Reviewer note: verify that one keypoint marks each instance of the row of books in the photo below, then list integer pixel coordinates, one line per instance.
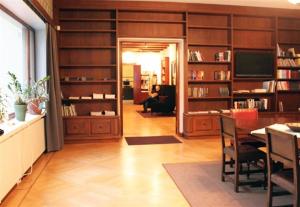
(288, 74)
(261, 104)
(68, 110)
(94, 96)
(197, 74)
(285, 86)
(222, 75)
(288, 62)
(224, 91)
(217, 111)
(269, 86)
(197, 92)
(194, 56)
(223, 56)
(291, 52)
(218, 75)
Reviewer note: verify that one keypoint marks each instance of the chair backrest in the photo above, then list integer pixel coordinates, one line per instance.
(244, 115)
(283, 147)
(228, 131)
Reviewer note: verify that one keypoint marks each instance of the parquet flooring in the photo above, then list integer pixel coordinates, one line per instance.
(113, 174)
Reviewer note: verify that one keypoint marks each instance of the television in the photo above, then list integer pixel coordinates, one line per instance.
(254, 64)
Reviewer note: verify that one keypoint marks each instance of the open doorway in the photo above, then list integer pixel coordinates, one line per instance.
(149, 67)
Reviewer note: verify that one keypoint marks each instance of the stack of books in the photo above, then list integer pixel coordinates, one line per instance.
(224, 91)
(197, 75)
(288, 74)
(269, 86)
(222, 75)
(286, 86)
(261, 104)
(68, 110)
(287, 62)
(194, 56)
(223, 56)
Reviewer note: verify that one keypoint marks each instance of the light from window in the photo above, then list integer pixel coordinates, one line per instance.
(13, 53)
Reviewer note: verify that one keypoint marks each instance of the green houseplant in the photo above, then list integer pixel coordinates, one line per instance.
(3, 106)
(37, 95)
(20, 94)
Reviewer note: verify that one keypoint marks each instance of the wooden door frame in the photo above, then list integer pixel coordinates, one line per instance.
(180, 77)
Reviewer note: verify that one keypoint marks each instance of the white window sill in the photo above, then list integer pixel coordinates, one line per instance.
(13, 126)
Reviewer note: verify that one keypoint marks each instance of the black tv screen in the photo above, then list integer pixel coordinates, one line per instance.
(254, 64)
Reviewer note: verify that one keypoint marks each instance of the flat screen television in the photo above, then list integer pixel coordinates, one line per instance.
(254, 64)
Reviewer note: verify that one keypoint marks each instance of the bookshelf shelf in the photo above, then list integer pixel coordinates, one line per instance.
(89, 30)
(88, 100)
(210, 98)
(86, 20)
(252, 79)
(289, 67)
(90, 117)
(208, 27)
(252, 94)
(289, 43)
(254, 29)
(288, 79)
(87, 66)
(288, 29)
(288, 91)
(88, 82)
(209, 45)
(286, 57)
(209, 81)
(151, 21)
(210, 62)
(88, 47)
(253, 48)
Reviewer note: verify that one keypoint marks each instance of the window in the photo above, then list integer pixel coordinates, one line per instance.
(14, 55)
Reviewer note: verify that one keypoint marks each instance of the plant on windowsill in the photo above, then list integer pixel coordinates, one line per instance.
(37, 96)
(3, 106)
(20, 93)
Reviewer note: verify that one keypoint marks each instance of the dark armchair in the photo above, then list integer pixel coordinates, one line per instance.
(167, 100)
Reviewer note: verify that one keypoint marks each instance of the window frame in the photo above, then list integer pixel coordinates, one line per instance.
(30, 35)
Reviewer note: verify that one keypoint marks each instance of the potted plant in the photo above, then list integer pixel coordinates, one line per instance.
(20, 96)
(37, 95)
(3, 106)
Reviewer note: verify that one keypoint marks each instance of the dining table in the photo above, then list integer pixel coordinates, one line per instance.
(251, 128)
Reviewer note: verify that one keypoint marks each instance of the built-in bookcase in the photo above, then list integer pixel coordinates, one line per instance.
(209, 77)
(88, 65)
(288, 65)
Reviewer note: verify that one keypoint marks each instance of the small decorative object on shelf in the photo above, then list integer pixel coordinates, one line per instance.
(68, 110)
(110, 96)
(98, 96)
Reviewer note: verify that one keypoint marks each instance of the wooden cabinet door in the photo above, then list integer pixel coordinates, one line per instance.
(100, 126)
(77, 127)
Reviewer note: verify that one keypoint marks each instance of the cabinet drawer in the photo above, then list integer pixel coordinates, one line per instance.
(101, 126)
(203, 124)
(77, 127)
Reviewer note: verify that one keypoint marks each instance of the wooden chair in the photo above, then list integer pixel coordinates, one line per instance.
(283, 147)
(239, 154)
(246, 115)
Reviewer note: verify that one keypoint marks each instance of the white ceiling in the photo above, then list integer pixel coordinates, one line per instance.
(256, 3)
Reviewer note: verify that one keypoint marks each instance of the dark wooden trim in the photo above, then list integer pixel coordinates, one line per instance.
(15, 17)
(40, 11)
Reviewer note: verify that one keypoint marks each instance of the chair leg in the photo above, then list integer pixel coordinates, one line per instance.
(270, 192)
(236, 176)
(248, 169)
(223, 167)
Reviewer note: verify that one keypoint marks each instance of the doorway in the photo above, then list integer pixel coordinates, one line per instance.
(143, 64)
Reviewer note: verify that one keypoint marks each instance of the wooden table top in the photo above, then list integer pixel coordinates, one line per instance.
(245, 127)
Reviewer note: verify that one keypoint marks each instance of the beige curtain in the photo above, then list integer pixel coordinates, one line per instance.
(54, 123)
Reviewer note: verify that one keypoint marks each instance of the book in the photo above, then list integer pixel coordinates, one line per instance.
(98, 96)
(74, 97)
(110, 96)
(86, 97)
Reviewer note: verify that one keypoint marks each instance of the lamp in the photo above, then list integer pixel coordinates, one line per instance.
(294, 1)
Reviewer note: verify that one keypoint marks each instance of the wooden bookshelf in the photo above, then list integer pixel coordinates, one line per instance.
(90, 30)
(87, 48)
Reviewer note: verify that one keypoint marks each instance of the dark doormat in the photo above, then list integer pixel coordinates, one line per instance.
(155, 115)
(151, 140)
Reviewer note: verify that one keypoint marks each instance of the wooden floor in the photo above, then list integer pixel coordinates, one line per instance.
(113, 174)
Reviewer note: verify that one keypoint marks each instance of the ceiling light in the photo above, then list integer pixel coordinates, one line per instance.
(294, 1)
